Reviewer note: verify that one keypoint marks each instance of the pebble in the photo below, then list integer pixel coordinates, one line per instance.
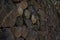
(36, 4)
(27, 14)
(19, 21)
(33, 19)
(20, 31)
(23, 4)
(20, 11)
(32, 35)
(28, 24)
(17, 31)
(24, 32)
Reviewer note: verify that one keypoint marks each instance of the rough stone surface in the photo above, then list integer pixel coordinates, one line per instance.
(10, 20)
(19, 21)
(29, 20)
(5, 6)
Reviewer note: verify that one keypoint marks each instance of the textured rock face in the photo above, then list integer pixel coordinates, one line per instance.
(29, 20)
(9, 21)
(10, 12)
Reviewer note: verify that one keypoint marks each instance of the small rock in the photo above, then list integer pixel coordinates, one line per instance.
(24, 32)
(32, 35)
(20, 11)
(35, 27)
(20, 31)
(27, 14)
(33, 19)
(23, 4)
(28, 24)
(19, 21)
(37, 5)
(17, 31)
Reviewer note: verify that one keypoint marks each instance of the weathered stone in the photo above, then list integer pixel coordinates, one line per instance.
(20, 31)
(17, 31)
(33, 19)
(36, 4)
(23, 4)
(20, 11)
(27, 14)
(35, 27)
(28, 24)
(19, 21)
(24, 31)
(32, 35)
